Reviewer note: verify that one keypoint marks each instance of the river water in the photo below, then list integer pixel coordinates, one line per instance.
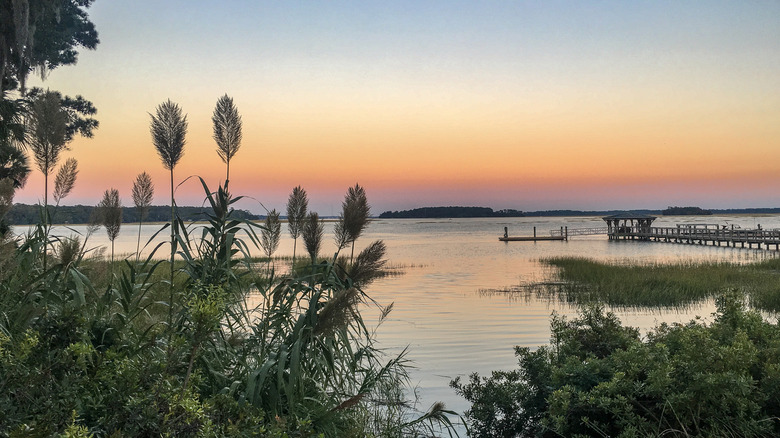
(442, 312)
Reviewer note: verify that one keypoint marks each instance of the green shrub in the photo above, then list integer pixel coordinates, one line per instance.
(597, 378)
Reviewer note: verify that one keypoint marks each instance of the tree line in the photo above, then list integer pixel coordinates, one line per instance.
(449, 212)
(26, 214)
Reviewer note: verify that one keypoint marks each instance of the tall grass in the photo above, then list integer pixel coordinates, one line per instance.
(663, 285)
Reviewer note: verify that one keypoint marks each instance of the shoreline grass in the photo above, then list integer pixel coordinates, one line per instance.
(581, 281)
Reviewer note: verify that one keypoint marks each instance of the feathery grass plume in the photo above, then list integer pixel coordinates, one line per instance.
(353, 218)
(270, 235)
(227, 131)
(312, 232)
(168, 129)
(143, 193)
(47, 126)
(368, 264)
(68, 250)
(297, 205)
(338, 312)
(111, 216)
(65, 179)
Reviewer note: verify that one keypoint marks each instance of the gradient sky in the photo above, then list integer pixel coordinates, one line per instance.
(503, 104)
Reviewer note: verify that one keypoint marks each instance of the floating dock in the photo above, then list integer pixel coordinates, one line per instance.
(529, 238)
(563, 235)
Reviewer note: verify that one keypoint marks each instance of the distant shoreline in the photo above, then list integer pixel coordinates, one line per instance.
(483, 212)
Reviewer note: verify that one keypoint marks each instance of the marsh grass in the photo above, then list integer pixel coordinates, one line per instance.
(661, 285)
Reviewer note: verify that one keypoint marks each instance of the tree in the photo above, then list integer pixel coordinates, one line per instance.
(227, 131)
(13, 165)
(43, 35)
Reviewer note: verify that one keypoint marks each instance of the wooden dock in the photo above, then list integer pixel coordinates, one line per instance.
(705, 234)
(554, 235)
(529, 238)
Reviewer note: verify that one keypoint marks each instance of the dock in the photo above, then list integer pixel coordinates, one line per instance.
(563, 235)
(633, 226)
(701, 235)
(529, 238)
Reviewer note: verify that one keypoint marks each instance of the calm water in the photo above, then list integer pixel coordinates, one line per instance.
(452, 328)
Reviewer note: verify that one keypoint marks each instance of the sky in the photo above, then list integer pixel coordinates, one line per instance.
(530, 105)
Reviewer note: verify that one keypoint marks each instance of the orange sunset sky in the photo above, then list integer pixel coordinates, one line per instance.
(502, 104)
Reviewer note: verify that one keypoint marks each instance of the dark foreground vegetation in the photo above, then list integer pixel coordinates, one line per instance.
(91, 348)
(600, 379)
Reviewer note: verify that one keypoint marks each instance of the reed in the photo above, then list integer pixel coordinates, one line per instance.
(227, 131)
(169, 129)
(312, 232)
(65, 180)
(297, 205)
(110, 211)
(143, 194)
(271, 234)
(353, 219)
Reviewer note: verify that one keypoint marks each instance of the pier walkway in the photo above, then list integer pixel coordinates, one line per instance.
(706, 234)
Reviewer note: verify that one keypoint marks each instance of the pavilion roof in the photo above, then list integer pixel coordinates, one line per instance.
(628, 215)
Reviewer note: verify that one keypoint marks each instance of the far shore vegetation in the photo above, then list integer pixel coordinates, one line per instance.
(483, 212)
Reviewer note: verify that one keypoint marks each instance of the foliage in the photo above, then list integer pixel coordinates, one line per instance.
(41, 34)
(77, 111)
(597, 378)
(80, 360)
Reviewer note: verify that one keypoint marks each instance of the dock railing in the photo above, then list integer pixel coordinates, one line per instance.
(580, 231)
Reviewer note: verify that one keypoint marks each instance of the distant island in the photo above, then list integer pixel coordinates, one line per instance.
(685, 211)
(449, 212)
(474, 212)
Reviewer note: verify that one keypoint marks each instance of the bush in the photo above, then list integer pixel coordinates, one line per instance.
(598, 378)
